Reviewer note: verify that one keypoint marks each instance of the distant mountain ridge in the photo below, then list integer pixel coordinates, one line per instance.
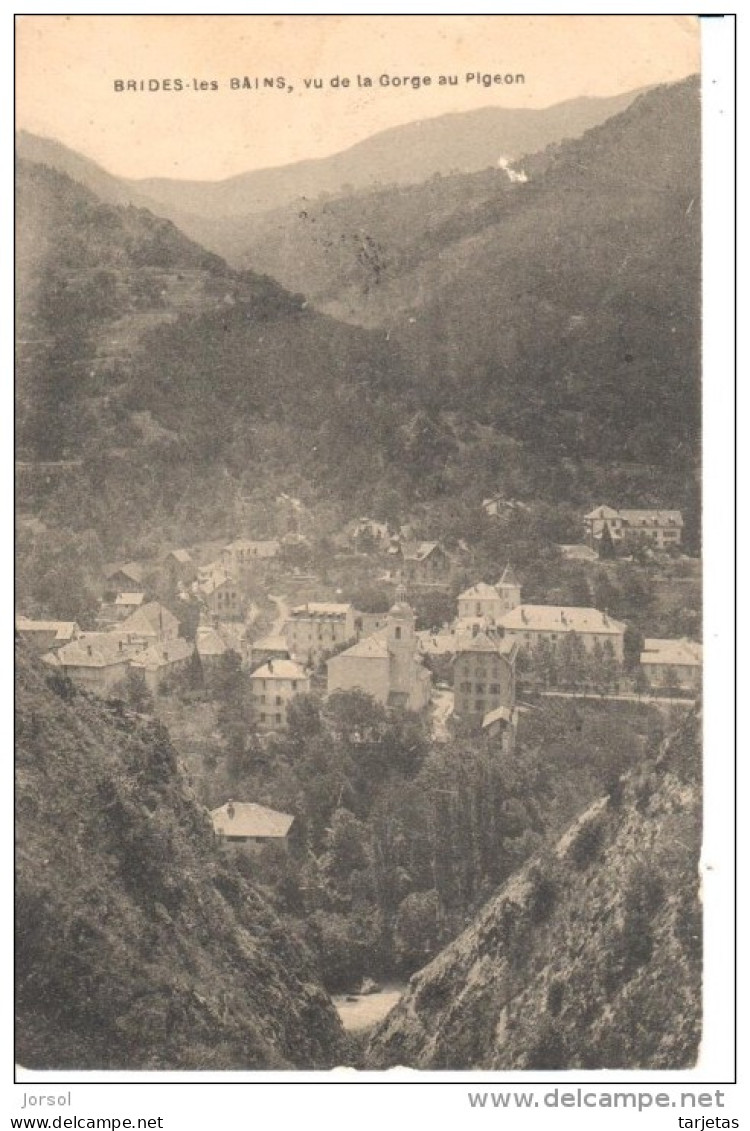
(560, 316)
(456, 142)
(459, 142)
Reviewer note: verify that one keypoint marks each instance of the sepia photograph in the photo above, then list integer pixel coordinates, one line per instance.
(358, 552)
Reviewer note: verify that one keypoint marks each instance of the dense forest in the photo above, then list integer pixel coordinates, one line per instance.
(133, 339)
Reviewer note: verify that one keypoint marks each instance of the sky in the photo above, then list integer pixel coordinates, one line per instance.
(67, 68)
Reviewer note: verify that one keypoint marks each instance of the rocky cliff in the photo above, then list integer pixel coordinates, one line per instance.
(589, 957)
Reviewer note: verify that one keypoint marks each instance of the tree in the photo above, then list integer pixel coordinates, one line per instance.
(606, 545)
(132, 688)
(434, 609)
(632, 646)
(354, 716)
(572, 657)
(235, 716)
(417, 929)
(303, 721)
(346, 845)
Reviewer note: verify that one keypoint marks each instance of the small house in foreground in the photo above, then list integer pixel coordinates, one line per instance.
(246, 823)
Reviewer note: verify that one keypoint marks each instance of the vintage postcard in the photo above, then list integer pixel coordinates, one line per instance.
(359, 584)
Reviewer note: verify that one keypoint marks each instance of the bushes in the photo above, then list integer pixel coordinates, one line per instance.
(587, 844)
(632, 945)
(543, 894)
(555, 996)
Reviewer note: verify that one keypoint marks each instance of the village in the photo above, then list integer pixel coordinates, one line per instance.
(165, 625)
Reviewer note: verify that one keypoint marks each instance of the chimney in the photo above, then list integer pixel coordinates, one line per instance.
(89, 649)
(270, 666)
(230, 810)
(119, 645)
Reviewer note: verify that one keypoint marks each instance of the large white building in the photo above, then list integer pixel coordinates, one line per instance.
(528, 625)
(658, 528)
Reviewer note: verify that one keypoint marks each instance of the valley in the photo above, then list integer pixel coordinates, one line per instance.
(359, 601)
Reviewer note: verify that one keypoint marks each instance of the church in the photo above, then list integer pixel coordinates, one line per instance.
(386, 664)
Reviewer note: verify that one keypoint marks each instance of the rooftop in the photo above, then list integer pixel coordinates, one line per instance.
(419, 551)
(373, 647)
(63, 629)
(161, 655)
(208, 642)
(280, 669)
(130, 569)
(150, 620)
(130, 600)
(480, 591)
(509, 578)
(270, 644)
(320, 609)
(503, 714)
(553, 618)
(245, 818)
(682, 652)
(483, 642)
(92, 650)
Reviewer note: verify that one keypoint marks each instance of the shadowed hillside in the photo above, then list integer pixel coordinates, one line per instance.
(138, 945)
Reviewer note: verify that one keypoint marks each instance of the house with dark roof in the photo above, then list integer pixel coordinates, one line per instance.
(181, 568)
(127, 578)
(422, 563)
(220, 593)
